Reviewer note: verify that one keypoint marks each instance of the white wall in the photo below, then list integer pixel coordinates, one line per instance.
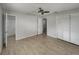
(60, 26)
(66, 26)
(26, 25)
(69, 27)
(40, 29)
(10, 25)
(51, 25)
(0, 29)
(75, 28)
(62, 22)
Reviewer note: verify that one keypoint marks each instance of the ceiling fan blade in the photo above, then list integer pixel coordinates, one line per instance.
(40, 10)
(46, 11)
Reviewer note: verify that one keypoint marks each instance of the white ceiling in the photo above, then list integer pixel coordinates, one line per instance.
(32, 7)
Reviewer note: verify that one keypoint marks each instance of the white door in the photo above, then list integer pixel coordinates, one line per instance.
(75, 28)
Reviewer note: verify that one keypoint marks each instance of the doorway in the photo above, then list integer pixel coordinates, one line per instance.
(11, 35)
(44, 22)
(8, 28)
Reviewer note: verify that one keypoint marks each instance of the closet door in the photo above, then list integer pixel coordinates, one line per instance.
(75, 28)
(59, 25)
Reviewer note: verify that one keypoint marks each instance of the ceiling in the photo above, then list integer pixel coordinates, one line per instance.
(33, 7)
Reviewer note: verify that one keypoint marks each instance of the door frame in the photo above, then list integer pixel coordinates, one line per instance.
(6, 29)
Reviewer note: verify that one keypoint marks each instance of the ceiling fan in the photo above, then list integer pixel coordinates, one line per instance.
(42, 11)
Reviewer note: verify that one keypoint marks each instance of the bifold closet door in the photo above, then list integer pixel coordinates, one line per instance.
(75, 28)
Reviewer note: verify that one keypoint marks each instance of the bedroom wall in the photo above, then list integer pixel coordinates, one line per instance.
(64, 25)
(59, 25)
(26, 25)
(75, 28)
(51, 25)
(40, 29)
(11, 25)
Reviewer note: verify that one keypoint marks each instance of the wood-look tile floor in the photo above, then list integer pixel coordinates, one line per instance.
(41, 45)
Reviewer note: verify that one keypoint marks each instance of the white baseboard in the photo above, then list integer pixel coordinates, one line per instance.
(52, 36)
(20, 38)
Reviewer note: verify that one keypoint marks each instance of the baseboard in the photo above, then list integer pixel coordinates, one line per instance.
(51, 36)
(63, 40)
(26, 37)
